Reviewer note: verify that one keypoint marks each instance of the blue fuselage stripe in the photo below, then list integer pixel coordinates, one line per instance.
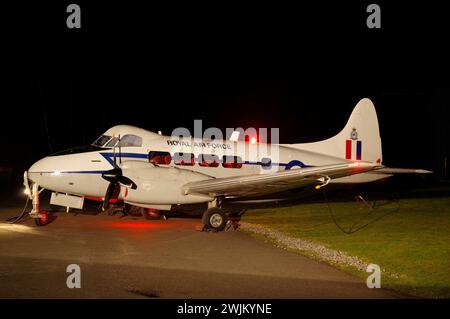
(110, 158)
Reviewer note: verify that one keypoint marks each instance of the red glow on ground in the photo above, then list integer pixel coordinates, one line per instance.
(130, 225)
(136, 225)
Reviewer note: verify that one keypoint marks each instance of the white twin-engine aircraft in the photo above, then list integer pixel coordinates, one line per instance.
(148, 171)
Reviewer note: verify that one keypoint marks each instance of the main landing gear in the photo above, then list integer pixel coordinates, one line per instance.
(216, 219)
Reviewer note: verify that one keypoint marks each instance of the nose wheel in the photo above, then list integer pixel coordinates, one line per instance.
(42, 218)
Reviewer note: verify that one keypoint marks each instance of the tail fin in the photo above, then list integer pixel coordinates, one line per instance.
(359, 140)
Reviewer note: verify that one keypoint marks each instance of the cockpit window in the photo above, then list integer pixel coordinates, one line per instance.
(130, 140)
(126, 140)
(112, 142)
(101, 140)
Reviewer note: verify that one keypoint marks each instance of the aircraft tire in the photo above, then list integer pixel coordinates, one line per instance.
(152, 214)
(135, 211)
(214, 219)
(43, 220)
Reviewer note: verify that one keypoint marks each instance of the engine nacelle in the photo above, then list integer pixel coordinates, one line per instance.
(160, 185)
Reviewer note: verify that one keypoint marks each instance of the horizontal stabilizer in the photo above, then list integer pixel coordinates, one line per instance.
(396, 170)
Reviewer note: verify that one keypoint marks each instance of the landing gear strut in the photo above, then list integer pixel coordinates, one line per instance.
(216, 219)
(40, 216)
(234, 220)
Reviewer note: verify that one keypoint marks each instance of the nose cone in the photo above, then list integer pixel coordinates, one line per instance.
(38, 169)
(44, 165)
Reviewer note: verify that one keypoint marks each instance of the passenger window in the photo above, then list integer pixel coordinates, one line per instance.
(185, 159)
(208, 160)
(232, 162)
(159, 158)
(130, 140)
(266, 163)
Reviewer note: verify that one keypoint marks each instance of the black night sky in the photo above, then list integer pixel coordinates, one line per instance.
(300, 68)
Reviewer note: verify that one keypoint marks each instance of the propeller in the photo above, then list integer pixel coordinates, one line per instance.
(115, 177)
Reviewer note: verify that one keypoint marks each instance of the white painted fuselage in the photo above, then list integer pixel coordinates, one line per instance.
(160, 165)
(80, 173)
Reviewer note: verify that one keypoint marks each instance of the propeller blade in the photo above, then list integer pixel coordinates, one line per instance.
(112, 175)
(125, 181)
(115, 176)
(108, 195)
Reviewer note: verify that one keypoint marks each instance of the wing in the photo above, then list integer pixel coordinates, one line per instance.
(260, 184)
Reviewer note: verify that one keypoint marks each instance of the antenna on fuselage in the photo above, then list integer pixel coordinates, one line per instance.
(120, 152)
(114, 153)
(234, 136)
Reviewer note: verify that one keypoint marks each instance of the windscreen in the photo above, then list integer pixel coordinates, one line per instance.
(101, 140)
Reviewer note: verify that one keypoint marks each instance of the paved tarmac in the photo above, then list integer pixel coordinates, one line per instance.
(131, 257)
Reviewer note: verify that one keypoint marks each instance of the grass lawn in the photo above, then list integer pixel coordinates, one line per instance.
(409, 239)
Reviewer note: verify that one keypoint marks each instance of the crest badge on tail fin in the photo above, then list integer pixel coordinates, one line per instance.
(354, 134)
